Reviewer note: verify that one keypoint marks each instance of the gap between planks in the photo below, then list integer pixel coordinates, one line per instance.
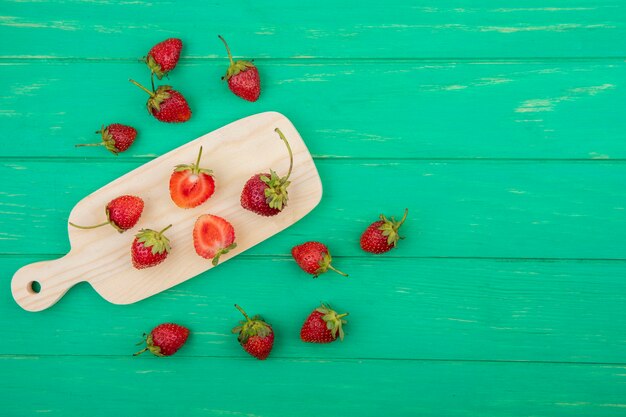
(18, 356)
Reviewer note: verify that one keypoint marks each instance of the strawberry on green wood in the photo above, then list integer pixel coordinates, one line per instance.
(314, 258)
(166, 104)
(255, 335)
(165, 339)
(191, 185)
(163, 56)
(382, 235)
(116, 138)
(323, 325)
(266, 194)
(122, 213)
(149, 248)
(213, 236)
(242, 77)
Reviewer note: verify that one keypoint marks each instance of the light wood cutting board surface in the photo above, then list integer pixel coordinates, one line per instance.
(102, 256)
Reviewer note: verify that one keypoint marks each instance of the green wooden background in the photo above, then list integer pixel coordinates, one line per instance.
(500, 124)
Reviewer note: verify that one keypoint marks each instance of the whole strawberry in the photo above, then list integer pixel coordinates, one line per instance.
(243, 77)
(122, 213)
(166, 104)
(115, 137)
(163, 56)
(266, 194)
(191, 185)
(255, 335)
(165, 339)
(314, 258)
(323, 325)
(382, 235)
(149, 248)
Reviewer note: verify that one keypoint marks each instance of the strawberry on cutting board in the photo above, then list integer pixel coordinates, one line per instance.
(242, 77)
(191, 185)
(266, 194)
(149, 248)
(382, 235)
(213, 236)
(165, 339)
(323, 325)
(116, 138)
(314, 258)
(166, 104)
(163, 56)
(255, 335)
(122, 213)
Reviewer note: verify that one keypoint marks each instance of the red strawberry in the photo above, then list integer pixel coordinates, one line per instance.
(255, 335)
(243, 77)
(122, 213)
(149, 248)
(165, 339)
(213, 236)
(191, 185)
(323, 326)
(166, 104)
(115, 137)
(382, 236)
(266, 194)
(163, 56)
(314, 258)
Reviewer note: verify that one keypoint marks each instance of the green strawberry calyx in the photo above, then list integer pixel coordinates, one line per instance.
(157, 97)
(390, 228)
(216, 258)
(107, 141)
(235, 66)
(194, 168)
(155, 240)
(276, 194)
(325, 265)
(250, 327)
(334, 321)
(154, 66)
(155, 350)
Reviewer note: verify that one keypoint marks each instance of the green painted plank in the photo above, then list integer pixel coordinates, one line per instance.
(370, 109)
(238, 387)
(418, 309)
(432, 28)
(458, 209)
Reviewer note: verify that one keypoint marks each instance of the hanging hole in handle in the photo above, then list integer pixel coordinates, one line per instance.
(34, 287)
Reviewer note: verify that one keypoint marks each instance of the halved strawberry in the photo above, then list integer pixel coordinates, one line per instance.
(191, 185)
(213, 236)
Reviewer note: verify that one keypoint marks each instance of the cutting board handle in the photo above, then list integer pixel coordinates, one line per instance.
(39, 285)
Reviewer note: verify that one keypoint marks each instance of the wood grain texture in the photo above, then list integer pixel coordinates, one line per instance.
(102, 256)
(326, 29)
(499, 124)
(441, 309)
(276, 388)
(441, 110)
(457, 208)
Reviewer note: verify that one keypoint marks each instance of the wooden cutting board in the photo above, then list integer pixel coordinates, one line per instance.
(102, 256)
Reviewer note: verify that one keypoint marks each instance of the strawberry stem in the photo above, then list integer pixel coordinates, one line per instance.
(406, 211)
(88, 227)
(142, 87)
(89, 144)
(227, 49)
(161, 232)
(242, 312)
(284, 139)
(337, 271)
(196, 168)
(140, 352)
